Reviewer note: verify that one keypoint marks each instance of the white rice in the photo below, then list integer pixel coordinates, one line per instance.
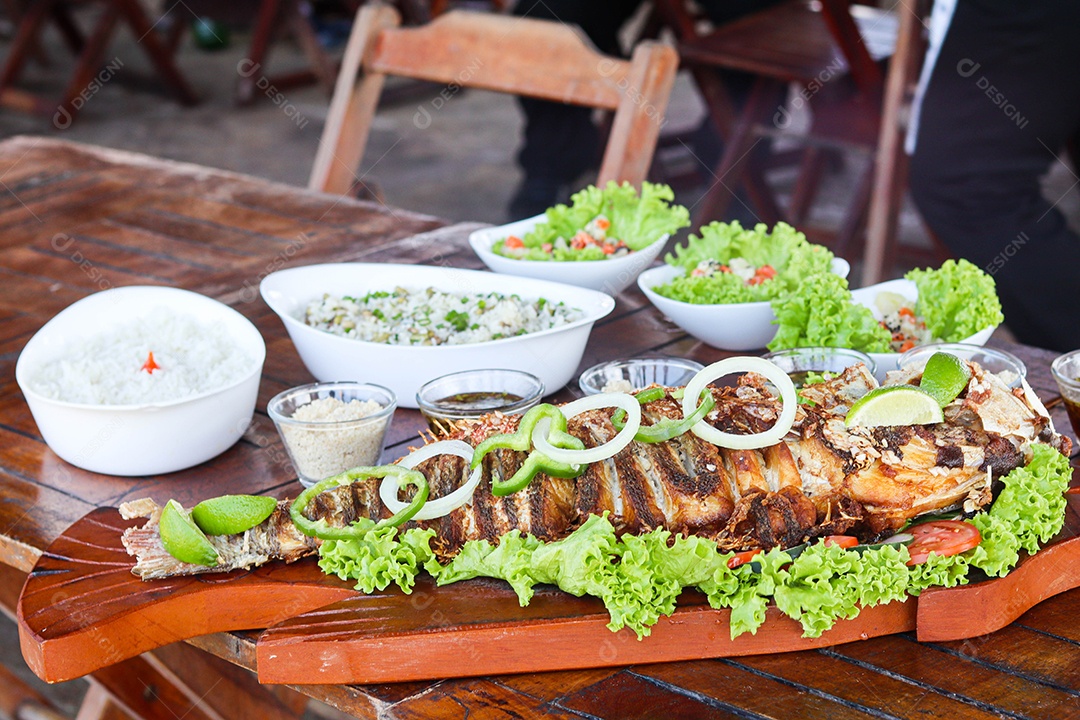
(107, 369)
(432, 317)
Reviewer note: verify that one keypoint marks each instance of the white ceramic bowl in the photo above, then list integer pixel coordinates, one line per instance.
(145, 439)
(735, 326)
(551, 355)
(887, 362)
(610, 276)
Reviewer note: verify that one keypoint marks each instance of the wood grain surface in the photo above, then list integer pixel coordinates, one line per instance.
(132, 219)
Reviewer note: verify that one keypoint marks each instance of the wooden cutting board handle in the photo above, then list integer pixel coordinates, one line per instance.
(81, 608)
(981, 608)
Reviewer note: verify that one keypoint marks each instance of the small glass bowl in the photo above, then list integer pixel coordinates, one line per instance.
(322, 448)
(472, 393)
(820, 360)
(1066, 371)
(639, 373)
(1007, 366)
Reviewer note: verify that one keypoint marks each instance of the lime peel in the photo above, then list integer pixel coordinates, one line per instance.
(895, 405)
(945, 377)
(232, 514)
(183, 539)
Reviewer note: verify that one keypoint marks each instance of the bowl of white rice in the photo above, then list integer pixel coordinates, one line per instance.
(403, 325)
(142, 380)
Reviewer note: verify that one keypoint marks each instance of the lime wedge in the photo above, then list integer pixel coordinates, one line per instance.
(183, 539)
(945, 377)
(231, 514)
(895, 405)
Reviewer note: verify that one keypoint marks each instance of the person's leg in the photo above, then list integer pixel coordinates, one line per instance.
(1003, 99)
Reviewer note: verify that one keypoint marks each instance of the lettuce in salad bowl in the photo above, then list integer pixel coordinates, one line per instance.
(957, 302)
(718, 286)
(602, 240)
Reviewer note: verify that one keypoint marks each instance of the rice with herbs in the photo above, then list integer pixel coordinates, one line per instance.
(432, 317)
(110, 368)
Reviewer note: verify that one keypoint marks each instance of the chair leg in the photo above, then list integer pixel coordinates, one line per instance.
(322, 65)
(854, 225)
(69, 30)
(26, 38)
(807, 183)
(265, 24)
(157, 53)
(736, 168)
(90, 59)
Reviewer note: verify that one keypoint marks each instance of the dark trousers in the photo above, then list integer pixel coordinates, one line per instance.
(1003, 100)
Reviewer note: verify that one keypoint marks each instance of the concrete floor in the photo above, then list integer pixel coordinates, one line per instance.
(461, 167)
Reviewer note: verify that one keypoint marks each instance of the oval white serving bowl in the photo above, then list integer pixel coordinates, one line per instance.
(611, 276)
(552, 355)
(735, 326)
(146, 439)
(887, 362)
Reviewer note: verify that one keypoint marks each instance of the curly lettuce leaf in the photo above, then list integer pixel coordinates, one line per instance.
(637, 220)
(378, 558)
(957, 300)
(785, 249)
(639, 578)
(822, 314)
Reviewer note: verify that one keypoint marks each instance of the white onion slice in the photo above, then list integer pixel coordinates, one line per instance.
(629, 403)
(778, 377)
(432, 509)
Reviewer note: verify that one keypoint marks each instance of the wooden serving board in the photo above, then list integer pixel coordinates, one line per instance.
(81, 610)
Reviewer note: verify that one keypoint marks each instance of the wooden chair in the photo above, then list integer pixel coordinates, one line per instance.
(518, 56)
(891, 161)
(832, 52)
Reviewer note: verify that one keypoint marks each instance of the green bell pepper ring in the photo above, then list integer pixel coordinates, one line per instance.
(536, 463)
(522, 439)
(324, 531)
(669, 428)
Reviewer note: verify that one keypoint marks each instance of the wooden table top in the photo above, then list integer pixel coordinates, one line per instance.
(77, 219)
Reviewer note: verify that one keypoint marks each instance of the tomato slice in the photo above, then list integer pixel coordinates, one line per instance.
(844, 541)
(741, 558)
(942, 537)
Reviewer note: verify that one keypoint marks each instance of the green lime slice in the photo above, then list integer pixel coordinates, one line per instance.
(894, 405)
(183, 539)
(232, 514)
(945, 377)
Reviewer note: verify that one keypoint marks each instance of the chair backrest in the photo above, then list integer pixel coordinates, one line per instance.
(520, 56)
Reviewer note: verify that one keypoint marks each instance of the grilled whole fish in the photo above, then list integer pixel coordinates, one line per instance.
(823, 478)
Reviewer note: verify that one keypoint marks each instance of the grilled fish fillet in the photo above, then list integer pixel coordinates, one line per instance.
(823, 478)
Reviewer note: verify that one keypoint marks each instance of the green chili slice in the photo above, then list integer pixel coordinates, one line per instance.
(324, 531)
(669, 428)
(536, 463)
(522, 439)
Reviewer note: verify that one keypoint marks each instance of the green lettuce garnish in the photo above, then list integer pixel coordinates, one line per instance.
(822, 314)
(957, 300)
(785, 249)
(638, 221)
(639, 577)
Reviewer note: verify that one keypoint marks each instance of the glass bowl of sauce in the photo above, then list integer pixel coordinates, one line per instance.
(806, 362)
(1066, 371)
(472, 393)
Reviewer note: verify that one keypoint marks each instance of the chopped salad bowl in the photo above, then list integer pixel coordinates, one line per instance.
(552, 355)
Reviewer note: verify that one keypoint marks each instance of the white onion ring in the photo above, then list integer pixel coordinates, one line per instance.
(439, 507)
(778, 377)
(629, 403)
